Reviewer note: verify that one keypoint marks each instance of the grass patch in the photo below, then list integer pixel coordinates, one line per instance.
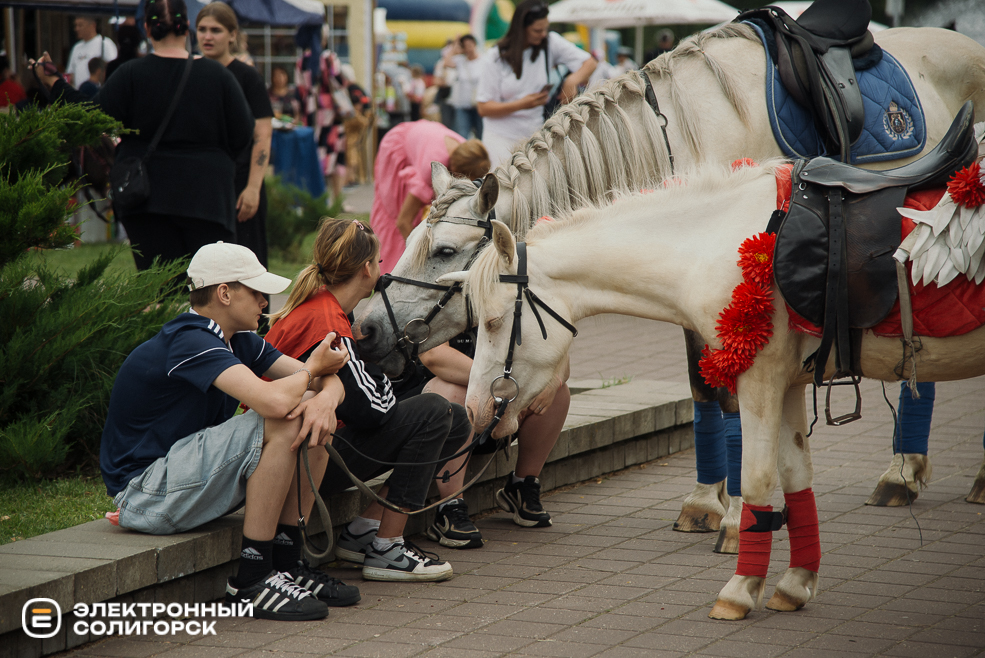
(34, 508)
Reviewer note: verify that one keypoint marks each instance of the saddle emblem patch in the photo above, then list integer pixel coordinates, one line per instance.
(897, 123)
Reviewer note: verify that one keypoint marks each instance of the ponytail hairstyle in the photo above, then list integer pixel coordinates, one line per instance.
(341, 249)
(166, 17)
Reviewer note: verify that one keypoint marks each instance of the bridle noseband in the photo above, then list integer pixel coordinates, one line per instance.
(418, 330)
(503, 396)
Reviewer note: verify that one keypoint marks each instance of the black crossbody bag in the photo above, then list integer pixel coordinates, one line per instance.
(128, 177)
(554, 102)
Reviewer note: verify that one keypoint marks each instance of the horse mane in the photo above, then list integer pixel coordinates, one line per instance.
(673, 197)
(589, 147)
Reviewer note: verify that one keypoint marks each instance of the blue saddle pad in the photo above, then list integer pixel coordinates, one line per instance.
(894, 122)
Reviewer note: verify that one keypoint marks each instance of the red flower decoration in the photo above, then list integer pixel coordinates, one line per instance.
(743, 162)
(756, 259)
(966, 187)
(745, 325)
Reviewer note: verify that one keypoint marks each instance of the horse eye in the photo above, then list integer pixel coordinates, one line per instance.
(444, 252)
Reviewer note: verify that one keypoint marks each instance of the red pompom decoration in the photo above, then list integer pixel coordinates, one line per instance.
(745, 325)
(756, 259)
(966, 187)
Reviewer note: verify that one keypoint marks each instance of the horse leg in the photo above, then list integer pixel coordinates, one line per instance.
(910, 469)
(728, 534)
(799, 583)
(762, 409)
(703, 508)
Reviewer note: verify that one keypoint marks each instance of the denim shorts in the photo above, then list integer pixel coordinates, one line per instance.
(202, 478)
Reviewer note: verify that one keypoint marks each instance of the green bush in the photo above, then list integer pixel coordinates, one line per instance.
(62, 339)
(292, 214)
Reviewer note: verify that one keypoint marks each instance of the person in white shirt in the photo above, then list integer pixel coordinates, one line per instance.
(89, 46)
(464, 59)
(514, 83)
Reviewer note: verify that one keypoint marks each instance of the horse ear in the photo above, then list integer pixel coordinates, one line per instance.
(485, 200)
(441, 178)
(453, 277)
(503, 239)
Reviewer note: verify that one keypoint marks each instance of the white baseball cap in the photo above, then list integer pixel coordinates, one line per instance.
(223, 262)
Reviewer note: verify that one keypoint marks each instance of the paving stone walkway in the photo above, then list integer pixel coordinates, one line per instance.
(612, 579)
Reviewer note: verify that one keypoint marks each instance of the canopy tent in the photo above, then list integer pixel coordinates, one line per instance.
(797, 7)
(637, 13)
(633, 13)
(279, 13)
(105, 7)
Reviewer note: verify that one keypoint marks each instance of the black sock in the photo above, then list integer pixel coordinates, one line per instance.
(287, 547)
(255, 561)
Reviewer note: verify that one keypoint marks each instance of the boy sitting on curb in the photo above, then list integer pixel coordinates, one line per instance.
(174, 456)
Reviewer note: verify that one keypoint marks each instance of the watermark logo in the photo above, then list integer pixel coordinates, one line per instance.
(41, 618)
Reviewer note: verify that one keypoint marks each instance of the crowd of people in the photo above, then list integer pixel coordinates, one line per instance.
(175, 454)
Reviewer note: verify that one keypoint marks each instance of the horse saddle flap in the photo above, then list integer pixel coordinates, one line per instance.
(873, 232)
(957, 149)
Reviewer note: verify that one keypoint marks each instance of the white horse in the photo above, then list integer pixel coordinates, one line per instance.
(711, 91)
(671, 256)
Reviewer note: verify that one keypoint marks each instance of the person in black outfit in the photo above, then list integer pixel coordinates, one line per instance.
(217, 29)
(192, 198)
(128, 40)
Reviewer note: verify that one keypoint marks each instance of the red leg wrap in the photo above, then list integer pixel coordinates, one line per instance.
(754, 547)
(805, 540)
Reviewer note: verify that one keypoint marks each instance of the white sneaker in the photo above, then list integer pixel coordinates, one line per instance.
(404, 562)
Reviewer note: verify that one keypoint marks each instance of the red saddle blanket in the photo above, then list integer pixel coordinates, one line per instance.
(938, 312)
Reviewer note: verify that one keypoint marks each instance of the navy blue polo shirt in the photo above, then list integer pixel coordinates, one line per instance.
(164, 393)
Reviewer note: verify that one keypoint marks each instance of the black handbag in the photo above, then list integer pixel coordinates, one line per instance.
(128, 176)
(554, 101)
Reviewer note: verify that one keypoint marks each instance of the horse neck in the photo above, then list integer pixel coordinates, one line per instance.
(671, 266)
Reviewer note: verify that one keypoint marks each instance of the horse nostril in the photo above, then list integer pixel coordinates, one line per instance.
(365, 331)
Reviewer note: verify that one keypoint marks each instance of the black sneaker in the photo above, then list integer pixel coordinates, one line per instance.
(522, 499)
(352, 547)
(331, 591)
(278, 597)
(405, 562)
(453, 528)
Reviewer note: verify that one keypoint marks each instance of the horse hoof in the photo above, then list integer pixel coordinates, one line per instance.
(728, 541)
(977, 494)
(892, 494)
(728, 611)
(702, 510)
(783, 603)
(796, 588)
(695, 521)
(901, 483)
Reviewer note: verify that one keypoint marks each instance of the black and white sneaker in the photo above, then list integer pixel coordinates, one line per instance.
(331, 591)
(522, 499)
(453, 528)
(277, 597)
(405, 562)
(352, 547)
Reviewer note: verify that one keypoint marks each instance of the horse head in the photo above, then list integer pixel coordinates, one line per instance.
(448, 240)
(519, 347)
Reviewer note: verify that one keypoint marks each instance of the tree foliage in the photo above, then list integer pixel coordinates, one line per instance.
(62, 339)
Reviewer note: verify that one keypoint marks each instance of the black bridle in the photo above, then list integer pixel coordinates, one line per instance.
(503, 396)
(418, 330)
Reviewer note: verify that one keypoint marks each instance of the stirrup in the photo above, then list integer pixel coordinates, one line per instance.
(847, 418)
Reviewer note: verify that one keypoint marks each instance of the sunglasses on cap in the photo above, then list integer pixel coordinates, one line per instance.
(535, 13)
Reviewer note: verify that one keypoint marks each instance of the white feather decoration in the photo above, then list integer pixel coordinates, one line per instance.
(947, 240)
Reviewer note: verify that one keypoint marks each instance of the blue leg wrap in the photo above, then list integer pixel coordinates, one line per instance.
(913, 429)
(733, 445)
(709, 442)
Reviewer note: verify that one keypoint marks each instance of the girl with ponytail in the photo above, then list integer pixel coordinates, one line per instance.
(417, 432)
(192, 199)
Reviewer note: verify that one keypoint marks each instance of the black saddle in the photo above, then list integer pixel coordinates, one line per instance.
(833, 261)
(814, 55)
